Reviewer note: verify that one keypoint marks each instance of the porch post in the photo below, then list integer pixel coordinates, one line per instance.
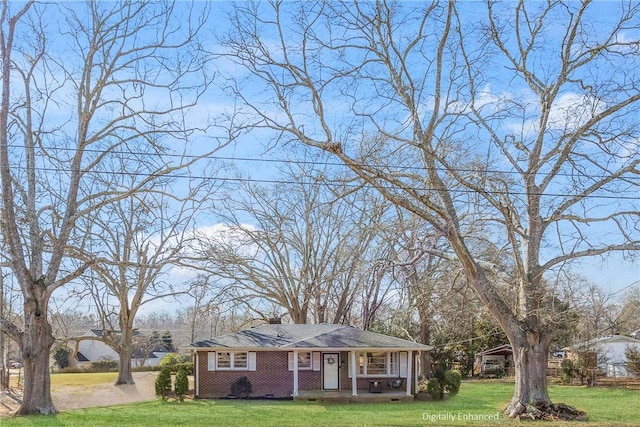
(197, 374)
(409, 373)
(295, 373)
(354, 371)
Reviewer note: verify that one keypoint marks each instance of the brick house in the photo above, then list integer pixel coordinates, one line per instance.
(283, 360)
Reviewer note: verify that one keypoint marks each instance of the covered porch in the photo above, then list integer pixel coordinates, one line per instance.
(375, 374)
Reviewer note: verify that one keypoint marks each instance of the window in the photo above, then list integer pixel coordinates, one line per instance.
(378, 363)
(232, 360)
(240, 360)
(224, 360)
(304, 361)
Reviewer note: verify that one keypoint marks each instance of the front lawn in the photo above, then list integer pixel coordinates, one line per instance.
(477, 404)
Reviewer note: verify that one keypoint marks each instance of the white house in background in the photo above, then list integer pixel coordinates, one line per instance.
(88, 348)
(610, 353)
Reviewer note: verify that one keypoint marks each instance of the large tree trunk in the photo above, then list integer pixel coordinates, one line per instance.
(425, 338)
(530, 353)
(125, 347)
(36, 345)
(124, 368)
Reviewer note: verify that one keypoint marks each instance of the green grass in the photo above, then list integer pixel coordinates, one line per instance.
(476, 399)
(84, 379)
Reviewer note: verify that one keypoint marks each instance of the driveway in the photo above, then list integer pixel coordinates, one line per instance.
(65, 398)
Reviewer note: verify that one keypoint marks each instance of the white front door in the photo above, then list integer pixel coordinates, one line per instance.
(330, 371)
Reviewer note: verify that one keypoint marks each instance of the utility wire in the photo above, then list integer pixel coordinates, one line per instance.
(138, 154)
(327, 183)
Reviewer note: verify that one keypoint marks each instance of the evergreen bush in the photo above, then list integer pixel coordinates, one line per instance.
(434, 389)
(182, 384)
(163, 383)
(241, 388)
(452, 381)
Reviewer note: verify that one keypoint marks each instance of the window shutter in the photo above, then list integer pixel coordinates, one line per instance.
(315, 362)
(251, 362)
(290, 356)
(211, 361)
(404, 356)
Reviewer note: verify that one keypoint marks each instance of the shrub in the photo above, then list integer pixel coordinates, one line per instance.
(568, 371)
(61, 357)
(182, 383)
(434, 389)
(74, 370)
(633, 360)
(452, 381)
(163, 383)
(187, 366)
(173, 361)
(103, 366)
(241, 388)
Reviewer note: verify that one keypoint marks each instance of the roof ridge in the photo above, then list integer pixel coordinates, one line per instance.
(337, 326)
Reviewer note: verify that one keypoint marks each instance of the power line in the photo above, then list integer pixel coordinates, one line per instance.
(287, 161)
(326, 183)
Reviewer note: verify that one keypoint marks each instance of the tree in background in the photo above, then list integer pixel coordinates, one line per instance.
(633, 360)
(82, 83)
(134, 243)
(297, 247)
(412, 98)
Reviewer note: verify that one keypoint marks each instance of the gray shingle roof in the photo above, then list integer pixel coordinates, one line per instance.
(322, 335)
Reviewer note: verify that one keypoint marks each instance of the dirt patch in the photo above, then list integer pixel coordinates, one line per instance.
(66, 398)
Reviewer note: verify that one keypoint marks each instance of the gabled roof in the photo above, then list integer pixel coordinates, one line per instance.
(323, 335)
(501, 350)
(607, 340)
(81, 357)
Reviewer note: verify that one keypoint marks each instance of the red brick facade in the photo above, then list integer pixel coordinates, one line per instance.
(273, 377)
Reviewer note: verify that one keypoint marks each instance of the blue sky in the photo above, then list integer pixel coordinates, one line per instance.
(613, 274)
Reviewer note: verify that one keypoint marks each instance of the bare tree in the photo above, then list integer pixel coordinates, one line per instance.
(134, 243)
(412, 98)
(204, 311)
(296, 247)
(80, 83)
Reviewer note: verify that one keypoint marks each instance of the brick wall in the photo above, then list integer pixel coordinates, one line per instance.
(272, 377)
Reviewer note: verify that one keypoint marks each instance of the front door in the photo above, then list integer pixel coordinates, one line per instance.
(330, 371)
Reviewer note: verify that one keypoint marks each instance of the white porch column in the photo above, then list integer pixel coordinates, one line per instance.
(354, 372)
(409, 374)
(295, 373)
(196, 373)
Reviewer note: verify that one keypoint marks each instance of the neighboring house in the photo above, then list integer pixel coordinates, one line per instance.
(89, 348)
(282, 361)
(494, 361)
(609, 353)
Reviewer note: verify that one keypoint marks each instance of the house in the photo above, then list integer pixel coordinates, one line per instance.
(494, 361)
(283, 361)
(608, 353)
(89, 348)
